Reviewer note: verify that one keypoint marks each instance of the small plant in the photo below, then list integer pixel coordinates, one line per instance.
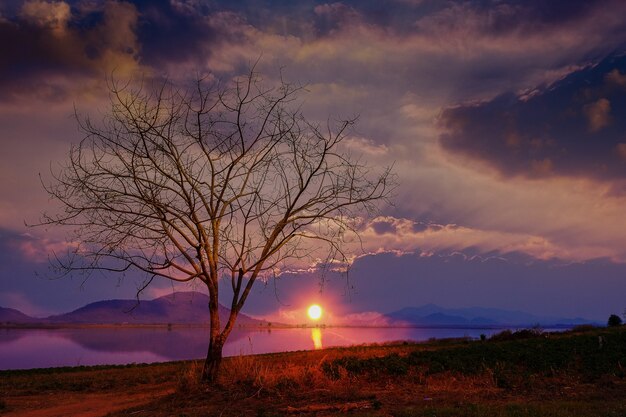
(189, 378)
(614, 320)
(584, 328)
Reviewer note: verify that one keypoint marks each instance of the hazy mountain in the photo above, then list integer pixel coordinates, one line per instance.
(432, 315)
(176, 308)
(10, 315)
(192, 308)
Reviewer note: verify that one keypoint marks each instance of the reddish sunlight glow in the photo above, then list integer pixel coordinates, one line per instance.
(314, 312)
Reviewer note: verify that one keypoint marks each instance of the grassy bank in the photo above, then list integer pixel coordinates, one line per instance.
(513, 374)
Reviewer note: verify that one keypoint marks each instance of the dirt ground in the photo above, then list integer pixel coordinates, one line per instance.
(62, 404)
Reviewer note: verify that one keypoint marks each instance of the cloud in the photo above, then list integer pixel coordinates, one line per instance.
(616, 77)
(28, 283)
(498, 183)
(405, 236)
(386, 282)
(21, 302)
(571, 127)
(581, 217)
(506, 17)
(334, 17)
(39, 250)
(598, 114)
(47, 15)
(355, 44)
(518, 45)
(178, 36)
(51, 51)
(365, 146)
(621, 150)
(36, 136)
(457, 279)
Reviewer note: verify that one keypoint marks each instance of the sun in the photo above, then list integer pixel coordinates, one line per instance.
(315, 312)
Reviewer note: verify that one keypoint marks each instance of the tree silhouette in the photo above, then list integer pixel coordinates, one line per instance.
(208, 182)
(614, 320)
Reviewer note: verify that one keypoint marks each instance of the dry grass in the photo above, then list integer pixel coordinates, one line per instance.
(426, 379)
(258, 376)
(189, 376)
(276, 378)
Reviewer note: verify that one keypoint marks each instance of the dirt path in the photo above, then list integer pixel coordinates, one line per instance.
(81, 404)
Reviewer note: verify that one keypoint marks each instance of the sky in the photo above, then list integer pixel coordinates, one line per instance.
(504, 121)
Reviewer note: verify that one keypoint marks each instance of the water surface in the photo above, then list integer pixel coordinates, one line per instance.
(43, 348)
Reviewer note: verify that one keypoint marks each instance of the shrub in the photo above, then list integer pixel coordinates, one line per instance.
(584, 328)
(614, 320)
(189, 377)
(518, 334)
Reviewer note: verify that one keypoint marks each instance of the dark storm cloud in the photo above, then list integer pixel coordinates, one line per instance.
(497, 18)
(494, 17)
(46, 48)
(576, 127)
(175, 31)
(387, 282)
(179, 31)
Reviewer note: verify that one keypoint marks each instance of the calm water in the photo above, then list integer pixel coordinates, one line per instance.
(42, 348)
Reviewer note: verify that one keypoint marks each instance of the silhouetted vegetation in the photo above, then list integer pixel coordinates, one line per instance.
(517, 335)
(584, 328)
(512, 357)
(614, 320)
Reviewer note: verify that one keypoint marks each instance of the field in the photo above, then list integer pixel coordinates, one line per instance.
(527, 373)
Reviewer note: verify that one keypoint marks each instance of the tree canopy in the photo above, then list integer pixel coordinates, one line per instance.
(217, 180)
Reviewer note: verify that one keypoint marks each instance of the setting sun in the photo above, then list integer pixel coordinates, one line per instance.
(315, 312)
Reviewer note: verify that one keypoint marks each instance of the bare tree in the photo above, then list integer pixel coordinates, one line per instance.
(209, 182)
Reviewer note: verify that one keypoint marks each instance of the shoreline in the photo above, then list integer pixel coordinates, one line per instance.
(51, 326)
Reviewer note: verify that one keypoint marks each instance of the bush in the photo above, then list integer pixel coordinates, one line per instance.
(518, 334)
(584, 328)
(614, 321)
(392, 364)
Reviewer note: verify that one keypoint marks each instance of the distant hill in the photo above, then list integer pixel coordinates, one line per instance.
(176, 308)
(434, 315)
(192, 308)
(11, 315)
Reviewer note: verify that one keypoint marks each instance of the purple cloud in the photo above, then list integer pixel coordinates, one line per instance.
(574, 127)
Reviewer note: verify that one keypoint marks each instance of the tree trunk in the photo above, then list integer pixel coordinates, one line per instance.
(213, 361)
(218, 336)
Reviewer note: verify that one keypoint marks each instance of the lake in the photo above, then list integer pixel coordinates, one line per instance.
(43, 348)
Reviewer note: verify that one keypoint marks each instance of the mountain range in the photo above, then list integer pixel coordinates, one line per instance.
(191, 308)
(176, 308)
(11, 315)
(434, 315)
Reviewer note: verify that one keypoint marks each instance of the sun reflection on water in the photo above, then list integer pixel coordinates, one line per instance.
(316, 336)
